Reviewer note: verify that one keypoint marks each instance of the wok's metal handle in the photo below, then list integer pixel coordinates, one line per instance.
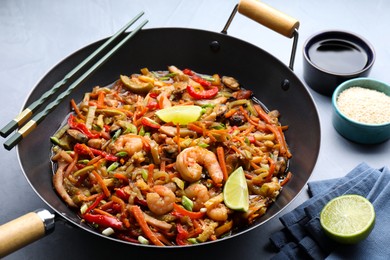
(24, 230)
(269, 17)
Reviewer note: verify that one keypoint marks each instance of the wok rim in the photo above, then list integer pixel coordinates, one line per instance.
(246, 228)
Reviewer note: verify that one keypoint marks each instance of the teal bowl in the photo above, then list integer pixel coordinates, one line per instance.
(352, 129)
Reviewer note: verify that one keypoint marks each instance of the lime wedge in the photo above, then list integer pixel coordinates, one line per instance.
(348, 219)
(180, 114)
(235, 192)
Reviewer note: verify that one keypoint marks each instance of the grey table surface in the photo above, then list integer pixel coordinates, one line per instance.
(36, 35)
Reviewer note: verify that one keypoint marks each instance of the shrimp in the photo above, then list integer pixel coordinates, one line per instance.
(189, 162)
(160, 200)
(216, 210)
(199, 194)
(129, 143)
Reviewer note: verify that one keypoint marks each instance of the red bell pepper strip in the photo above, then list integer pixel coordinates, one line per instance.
(95, 203)
(145, 121)
(182, 211)
(152, 105)
(182, 235)
(188, 72)
(205, 94)
(201, 81)
(103, 221)
(84, 149)
(122, 194)
(196, 78)
(81, 127)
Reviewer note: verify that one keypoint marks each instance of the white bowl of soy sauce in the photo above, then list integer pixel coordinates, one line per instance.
(332, 57)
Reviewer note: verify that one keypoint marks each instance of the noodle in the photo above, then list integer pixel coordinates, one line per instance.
(157, 182)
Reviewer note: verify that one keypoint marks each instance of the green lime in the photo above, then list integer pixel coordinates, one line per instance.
(235, 192)
(180, 114)
(348, 219)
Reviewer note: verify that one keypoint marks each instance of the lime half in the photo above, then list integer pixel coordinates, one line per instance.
(180, 114)
(235, 192)
(348, 219)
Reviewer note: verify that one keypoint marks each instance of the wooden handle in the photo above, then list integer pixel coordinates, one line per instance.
(269, 17)
(20, 232)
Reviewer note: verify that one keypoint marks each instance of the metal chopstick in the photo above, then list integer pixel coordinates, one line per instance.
(31, 125)
(20, 119)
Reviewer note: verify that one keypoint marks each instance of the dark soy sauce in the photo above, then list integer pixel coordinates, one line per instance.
(338, 56)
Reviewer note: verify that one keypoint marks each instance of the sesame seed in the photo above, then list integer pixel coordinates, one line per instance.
(365, 105)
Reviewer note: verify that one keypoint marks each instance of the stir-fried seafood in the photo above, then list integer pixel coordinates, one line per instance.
(135, 177)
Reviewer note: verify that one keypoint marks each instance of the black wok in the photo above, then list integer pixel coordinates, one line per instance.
(272, 82)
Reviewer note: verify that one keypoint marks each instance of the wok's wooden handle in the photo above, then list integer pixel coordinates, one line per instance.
(269, 17)
(24, 230)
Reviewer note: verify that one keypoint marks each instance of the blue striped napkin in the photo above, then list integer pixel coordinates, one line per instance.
(302, 236)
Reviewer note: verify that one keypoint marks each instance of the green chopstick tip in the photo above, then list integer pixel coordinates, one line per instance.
(12, 141)
(6, 130)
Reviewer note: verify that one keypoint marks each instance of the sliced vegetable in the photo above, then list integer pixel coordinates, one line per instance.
(136, 87)
(139, 216)
(182, 235)
(112, 167)
(81, 127)
(103, 221)
(146, 121)
(204, 94)
(85, 150)
(187, 203)
(182, 211)
(108, 231)
(95, 203)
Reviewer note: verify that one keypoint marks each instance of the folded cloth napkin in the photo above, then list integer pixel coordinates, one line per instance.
(302, 236)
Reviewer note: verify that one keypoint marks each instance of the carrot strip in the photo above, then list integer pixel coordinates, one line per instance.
(286, 179)
(222, 163)
(100, 99)
(121, 176)
(150, 174)
(76, 109)
(102, 212)
(125, 111)
(170, 166)
(245, 113)
(279, 138)
(287, 151)
(92, 197)
(236, 149)
(107, 205)
(119, 201)
(71, 165)
(271, 169)
(139, 216)
(125, 221)
(263, 115)
(247, 131)
(230, 112)
(101, 183)
(94, 160)
(195, 128)
(178, 137)
(255, 119)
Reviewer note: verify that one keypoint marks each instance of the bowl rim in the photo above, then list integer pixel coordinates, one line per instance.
(345, 85)
(343, 35)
